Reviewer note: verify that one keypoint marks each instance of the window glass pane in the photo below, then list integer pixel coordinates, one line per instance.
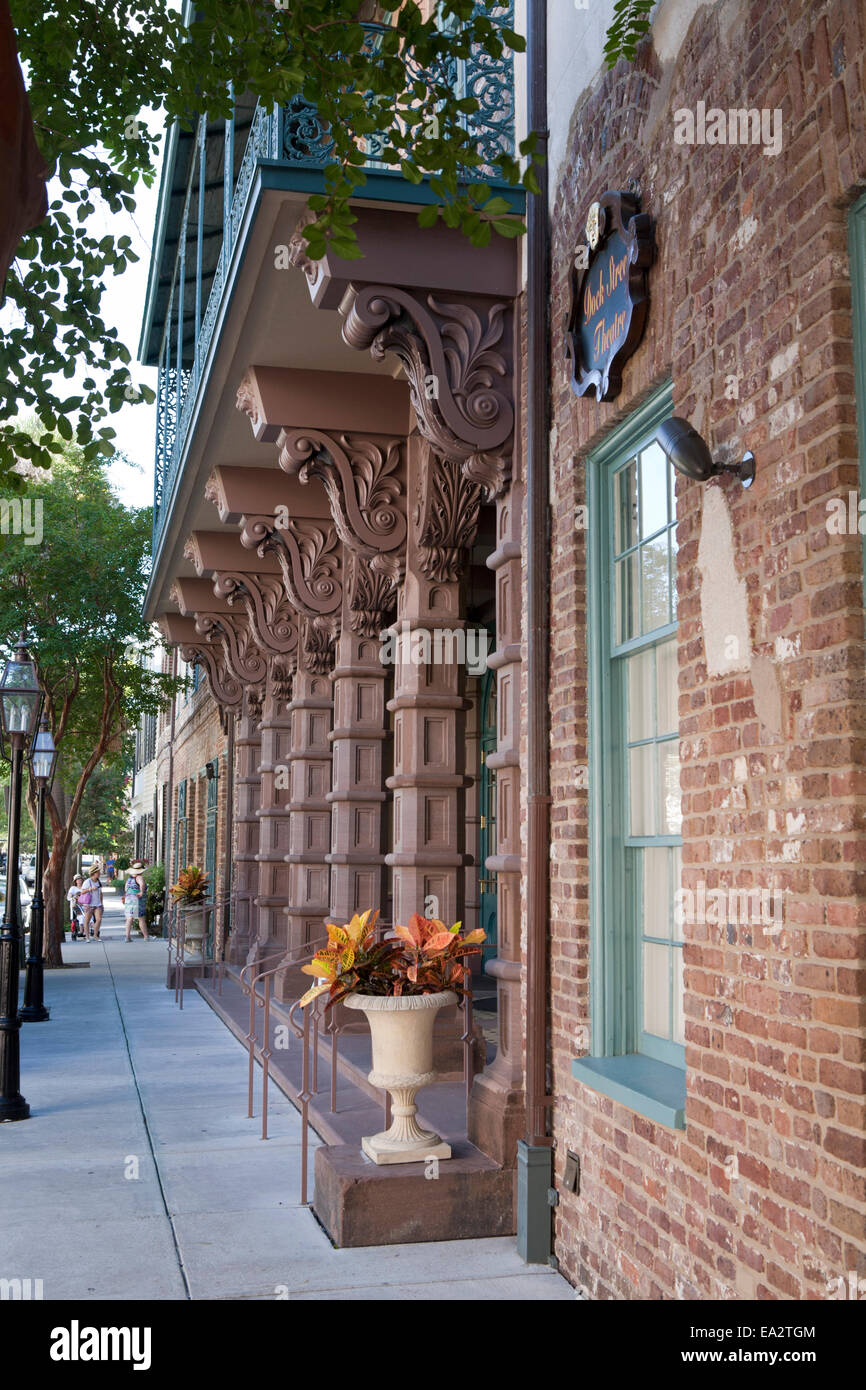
(641, 679)
(641, 789)
(679, 1012)
(656, 583)
(678, 927)
(656, 990)
(626, 582)
(656, 892)
(670, 812)
(625, 508)
(654, 469)
(667, 688)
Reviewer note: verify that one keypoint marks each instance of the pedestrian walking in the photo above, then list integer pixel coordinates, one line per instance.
(90, 899)
(135, 899)
(109, 867)
(76, 911)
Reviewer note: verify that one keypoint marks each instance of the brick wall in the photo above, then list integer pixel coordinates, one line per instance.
(198, 738)
(751, 281)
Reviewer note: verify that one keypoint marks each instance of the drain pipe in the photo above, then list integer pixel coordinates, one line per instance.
(534, 1153)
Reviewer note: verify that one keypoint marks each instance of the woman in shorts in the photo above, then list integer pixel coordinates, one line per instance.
(134, 899)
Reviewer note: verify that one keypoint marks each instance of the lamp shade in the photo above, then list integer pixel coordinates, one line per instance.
(43, 755)
(20, 695)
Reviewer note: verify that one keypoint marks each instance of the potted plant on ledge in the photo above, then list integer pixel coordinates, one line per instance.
(190, 893)
(399, 983)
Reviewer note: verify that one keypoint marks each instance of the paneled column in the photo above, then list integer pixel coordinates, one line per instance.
(357, 793)
(273, 815)
(245, 848)
(496, 1111)
(428, 781)
(309, 758)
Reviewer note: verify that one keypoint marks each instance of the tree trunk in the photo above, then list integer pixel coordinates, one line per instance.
(54, 888)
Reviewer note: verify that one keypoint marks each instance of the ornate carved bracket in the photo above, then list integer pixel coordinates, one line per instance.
(244, 657)
(272, 619)
(226, 690)
(460, 379)
(361, 479)
(309, 559)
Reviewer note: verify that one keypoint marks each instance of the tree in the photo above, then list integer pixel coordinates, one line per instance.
(94, 70)
(79, 594)
(103, 817)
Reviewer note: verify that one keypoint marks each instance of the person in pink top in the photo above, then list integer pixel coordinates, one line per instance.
(90, 899)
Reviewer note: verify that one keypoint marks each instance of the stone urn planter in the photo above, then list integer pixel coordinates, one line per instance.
(402, 1033)
(193, 922)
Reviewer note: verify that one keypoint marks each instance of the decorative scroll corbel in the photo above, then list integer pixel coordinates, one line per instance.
(460, 379)
(272, 619)
(226, 690)
(309, 559)
(244, 657)
(360, 477)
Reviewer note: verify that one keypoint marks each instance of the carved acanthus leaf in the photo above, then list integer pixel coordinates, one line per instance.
(318, 645)
(446, 518)
(373, 594)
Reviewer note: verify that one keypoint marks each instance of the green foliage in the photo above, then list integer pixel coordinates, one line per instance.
(79, 593)
(154, 903)
(630, 24)
(94, 70)
(103, 817)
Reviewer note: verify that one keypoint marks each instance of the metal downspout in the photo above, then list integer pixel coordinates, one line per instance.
(535, 1152)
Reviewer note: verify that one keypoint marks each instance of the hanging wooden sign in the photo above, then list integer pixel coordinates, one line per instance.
(608, 293)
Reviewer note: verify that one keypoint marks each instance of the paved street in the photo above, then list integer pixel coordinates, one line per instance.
(138, 1175)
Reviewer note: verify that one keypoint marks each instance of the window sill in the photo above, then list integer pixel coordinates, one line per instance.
(653, 1089)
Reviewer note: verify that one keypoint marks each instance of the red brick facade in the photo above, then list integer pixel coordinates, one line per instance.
(751, 284)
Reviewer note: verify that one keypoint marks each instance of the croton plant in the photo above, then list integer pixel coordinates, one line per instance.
(424, 958)
(191, 886)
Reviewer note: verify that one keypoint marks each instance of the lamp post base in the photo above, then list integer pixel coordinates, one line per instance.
(33, 1013)
(13, 1108)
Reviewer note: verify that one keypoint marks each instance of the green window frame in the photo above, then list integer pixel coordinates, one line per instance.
(637, 1054)
(857, 256)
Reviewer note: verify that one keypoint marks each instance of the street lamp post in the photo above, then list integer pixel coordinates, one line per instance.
(43, 761)
(20, 707)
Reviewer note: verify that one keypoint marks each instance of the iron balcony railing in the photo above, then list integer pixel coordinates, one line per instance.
(290, 137)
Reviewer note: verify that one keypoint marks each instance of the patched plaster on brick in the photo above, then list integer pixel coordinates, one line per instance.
(724, 613)
(768, 695)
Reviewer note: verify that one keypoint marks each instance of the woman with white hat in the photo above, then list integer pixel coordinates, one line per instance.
(134, 898)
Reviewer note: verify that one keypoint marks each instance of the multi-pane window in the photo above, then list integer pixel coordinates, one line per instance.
(643, 646)
(635, 783)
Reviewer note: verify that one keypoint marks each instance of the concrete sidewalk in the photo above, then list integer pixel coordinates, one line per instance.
(138, 1175)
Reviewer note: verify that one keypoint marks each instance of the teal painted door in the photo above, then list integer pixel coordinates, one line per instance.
(487, 812)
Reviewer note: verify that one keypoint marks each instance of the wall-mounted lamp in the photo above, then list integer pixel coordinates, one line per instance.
(690, 455)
